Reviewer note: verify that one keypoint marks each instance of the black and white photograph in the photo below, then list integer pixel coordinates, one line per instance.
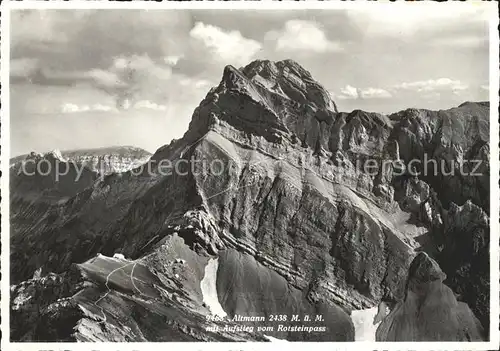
(250, 174)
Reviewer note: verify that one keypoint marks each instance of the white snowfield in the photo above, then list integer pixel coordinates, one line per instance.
(364, 329)
(209, 288)
(119, 256)
(272, 339)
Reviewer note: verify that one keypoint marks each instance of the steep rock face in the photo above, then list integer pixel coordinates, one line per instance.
(264, 206)
(289, 197)
(30, 303)
(249, 288)
(430, 311)
(465, 256)
(454, 147)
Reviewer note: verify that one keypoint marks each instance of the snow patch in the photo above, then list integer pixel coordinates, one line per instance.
(57, 154)
(209, 288)
(119, 256)
(273, 339)
(364, 329)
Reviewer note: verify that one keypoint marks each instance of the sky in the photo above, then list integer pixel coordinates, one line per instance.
(96, 78)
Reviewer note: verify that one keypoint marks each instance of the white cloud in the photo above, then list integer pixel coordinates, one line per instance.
(149, 105)
(202, 84)
(195, 83)
(135, 77)
(120, 63)
(230, 47)
(73, 108)
(351, 93)
(431, 85)
(485, 87)
(347, 93)
(99, 107)
(426, 89)
(137, 68)
(375, 93)
(105, 79)
(139, 105)
(300, 35)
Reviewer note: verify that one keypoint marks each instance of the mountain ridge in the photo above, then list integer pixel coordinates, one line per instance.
(286, 153)
(75, 155)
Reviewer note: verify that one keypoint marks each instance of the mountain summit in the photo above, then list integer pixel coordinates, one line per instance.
(269, 211)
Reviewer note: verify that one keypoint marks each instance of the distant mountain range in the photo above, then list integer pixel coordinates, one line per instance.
(113, 158)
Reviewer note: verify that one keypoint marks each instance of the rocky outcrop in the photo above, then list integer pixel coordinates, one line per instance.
(465, 257)
(296, 201)
(452, 147)
(429, 311)
(115, 299)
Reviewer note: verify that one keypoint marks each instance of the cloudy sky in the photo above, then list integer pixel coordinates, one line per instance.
(92, 78)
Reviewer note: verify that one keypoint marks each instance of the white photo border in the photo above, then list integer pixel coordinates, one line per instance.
(8, 6)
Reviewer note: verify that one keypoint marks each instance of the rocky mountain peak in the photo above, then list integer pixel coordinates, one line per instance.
(430, 310)
(268, 68)
(279, 101)
(50, 156)
(289, 79)
(423, 269)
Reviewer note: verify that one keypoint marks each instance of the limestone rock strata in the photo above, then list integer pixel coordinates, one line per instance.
(289, 210)
(109, 160)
